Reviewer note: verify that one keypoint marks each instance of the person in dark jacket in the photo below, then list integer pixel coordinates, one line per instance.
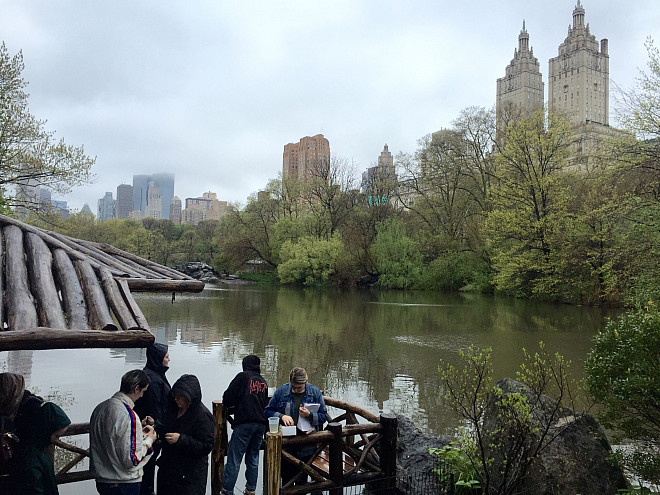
(34, 420)
(188, 440)
(154, 404)
(246, 397)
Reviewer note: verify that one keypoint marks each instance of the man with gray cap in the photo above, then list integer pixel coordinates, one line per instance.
(288, 403)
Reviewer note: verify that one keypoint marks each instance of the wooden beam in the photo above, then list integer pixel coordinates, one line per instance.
(132, 305)
(162, 285)
(40, 269)
(63, 338)
(21, 312)
(73, 298)
(114, 297)
(99, 313)
(272, 463)
(50, 240)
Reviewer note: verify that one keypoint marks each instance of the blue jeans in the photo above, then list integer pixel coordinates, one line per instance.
(245, 439)
(118, 488)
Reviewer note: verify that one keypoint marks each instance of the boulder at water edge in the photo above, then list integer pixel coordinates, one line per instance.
(575, 461)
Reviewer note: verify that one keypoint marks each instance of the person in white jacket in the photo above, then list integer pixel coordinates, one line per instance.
(120, 443)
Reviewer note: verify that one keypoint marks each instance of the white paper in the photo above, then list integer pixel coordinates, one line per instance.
(304, 424)
(288, 431)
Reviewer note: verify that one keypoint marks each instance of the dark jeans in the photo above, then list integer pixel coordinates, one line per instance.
(118, 488)
(245, 439)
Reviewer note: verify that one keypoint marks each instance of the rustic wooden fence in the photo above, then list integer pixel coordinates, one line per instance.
(348, 453)
(357, 447)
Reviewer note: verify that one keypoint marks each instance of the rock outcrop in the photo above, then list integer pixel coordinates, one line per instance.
(414, 464)
(207, 274)
(574, 461)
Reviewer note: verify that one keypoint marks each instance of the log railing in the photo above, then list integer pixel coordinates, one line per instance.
(64, 474)
(347, 454)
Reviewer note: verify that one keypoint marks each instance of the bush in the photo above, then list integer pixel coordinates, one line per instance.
(457, 271)
(623, 373)
(397, 256)
(309, 261)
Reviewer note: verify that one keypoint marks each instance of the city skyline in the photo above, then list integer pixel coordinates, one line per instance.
(212, 92)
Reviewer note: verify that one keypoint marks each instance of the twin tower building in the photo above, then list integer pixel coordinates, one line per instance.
(578, 77)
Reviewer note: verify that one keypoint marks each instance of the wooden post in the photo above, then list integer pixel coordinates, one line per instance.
(336, 468)
(388, 452)
(273, 463)
(219, 447)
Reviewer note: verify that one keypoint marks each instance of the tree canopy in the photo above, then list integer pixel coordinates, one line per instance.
(29, 154)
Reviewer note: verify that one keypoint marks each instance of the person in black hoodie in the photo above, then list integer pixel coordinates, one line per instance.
(246, 397)
(188, 435)
(154, 403)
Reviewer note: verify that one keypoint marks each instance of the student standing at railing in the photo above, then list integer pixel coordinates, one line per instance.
(188, 440)
(246, 398)
(119, 441)
(154, 403)
(288, 403)
(34, 422)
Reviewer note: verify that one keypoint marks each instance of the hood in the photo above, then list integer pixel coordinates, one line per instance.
(12, 387)
(188, 386)
(251, 363)
(155, 355)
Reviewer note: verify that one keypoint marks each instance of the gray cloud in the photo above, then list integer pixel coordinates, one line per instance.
(212, 90)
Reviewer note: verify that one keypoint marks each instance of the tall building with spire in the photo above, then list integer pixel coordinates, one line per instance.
(379, 182)
(522, 87)
(579, 76)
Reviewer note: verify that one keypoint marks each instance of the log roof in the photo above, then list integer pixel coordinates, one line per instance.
(62, 292)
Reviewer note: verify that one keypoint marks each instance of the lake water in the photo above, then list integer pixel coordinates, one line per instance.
(378, 349)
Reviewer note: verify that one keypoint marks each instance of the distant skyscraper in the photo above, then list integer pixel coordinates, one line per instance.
(154, 202)
(165, 185)
(106, 207)
(175, 210)
(86, 210)
(521, 88)
(302, 159)
(124, 201)
(140, 186)
(378, 182)
(579, 76)
(208, 208)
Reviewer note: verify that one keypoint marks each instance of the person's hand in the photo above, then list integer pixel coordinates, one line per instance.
(150, 432)
(171, 437)
(287, 420)
(304, 412)
(148, 421)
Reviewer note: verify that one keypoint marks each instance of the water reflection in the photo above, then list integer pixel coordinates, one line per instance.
(379, 349)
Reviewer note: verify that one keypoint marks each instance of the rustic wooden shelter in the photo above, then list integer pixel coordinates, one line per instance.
(60, 292)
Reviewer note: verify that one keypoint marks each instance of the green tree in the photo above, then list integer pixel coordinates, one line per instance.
(30, 155)
(310, 260)
(397, 256)
(623, 372)
(329, 195)
(530, 195)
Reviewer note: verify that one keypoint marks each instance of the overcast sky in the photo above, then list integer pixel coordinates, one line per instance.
(212, 90)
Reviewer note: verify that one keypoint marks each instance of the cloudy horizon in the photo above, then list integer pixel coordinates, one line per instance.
(212, 90)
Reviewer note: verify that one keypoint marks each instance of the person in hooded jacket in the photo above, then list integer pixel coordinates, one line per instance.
(154, 404)
(246, 397)
(188, 440)
(31, 470)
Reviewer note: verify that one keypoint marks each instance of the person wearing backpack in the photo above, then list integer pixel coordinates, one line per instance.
(34, 421)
